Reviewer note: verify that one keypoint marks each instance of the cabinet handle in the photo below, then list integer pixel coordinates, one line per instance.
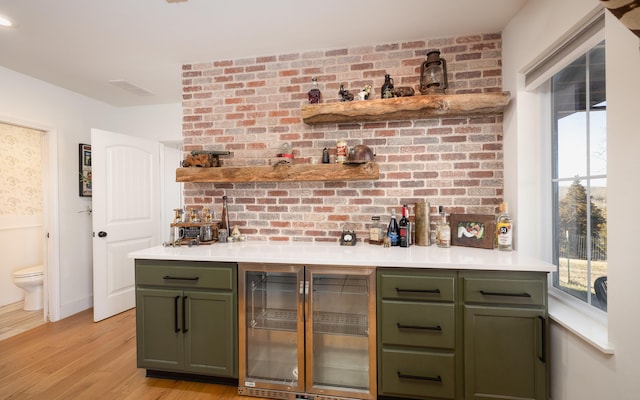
(432, 291)
(175, 309)
(180, 278)
(426, 328)
(184, 315)
(418, 377)
(543, 352)
(484, 293)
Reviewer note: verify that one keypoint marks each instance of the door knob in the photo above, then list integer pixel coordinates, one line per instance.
(102, 234)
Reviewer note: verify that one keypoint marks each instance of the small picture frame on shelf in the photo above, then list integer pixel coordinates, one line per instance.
(84, 165)
(472, 230)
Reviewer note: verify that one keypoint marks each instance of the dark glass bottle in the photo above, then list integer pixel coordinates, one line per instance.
(404, 228)
(387, 87)
(314, 93)
(392, 230)
(225, 215)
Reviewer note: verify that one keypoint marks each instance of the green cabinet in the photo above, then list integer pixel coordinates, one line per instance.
(419, 341)
(186, 317)
(505, 335)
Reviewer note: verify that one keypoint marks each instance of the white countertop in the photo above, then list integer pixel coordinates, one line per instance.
(362, 254)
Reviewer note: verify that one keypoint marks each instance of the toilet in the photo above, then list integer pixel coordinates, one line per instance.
(30, 281)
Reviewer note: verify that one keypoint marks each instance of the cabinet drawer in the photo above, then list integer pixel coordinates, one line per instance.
(418, 324)
(197, 275)
(501, 290)
(413, 285)
(417, 374)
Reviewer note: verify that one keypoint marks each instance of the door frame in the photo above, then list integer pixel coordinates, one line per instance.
(51, 220)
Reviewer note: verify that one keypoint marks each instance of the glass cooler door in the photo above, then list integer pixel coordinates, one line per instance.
(271, 329)
(340, 333)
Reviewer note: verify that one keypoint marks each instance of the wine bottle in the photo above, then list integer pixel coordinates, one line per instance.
(314, 93)
(404, 228)
(387, 87)
(392, 229)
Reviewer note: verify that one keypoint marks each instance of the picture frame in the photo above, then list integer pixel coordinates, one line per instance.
(473, 230)
(84, 165)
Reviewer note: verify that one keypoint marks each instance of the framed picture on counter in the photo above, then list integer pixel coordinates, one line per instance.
(472, 230)
(85, 170)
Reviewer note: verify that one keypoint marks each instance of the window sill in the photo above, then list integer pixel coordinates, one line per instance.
(584, 323)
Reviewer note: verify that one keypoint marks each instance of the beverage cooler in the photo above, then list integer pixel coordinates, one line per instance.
(307, 332)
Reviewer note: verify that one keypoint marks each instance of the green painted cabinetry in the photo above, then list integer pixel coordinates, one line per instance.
(186, 317)
(469, 335)
(419, 341)
(505, 335)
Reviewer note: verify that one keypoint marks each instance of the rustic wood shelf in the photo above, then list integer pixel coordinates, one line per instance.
(281, 173)
(407, 108)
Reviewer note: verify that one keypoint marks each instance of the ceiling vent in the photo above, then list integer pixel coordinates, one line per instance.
(176, 1)
(130, 87)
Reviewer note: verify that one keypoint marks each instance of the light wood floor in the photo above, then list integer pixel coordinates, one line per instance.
(15, 320)
(78, 359)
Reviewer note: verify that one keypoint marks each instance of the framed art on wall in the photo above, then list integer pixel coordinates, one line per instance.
(85, 170)
(473, 230)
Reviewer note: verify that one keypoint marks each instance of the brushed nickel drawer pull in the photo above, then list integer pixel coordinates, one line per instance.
(432, 291)
(179, 278)
(418, 377)
(426, 328)
(505, 294)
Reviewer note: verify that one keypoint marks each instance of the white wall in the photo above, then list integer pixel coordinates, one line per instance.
(578, 370)
(37, 104)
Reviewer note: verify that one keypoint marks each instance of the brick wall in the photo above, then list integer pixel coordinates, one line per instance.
(252, 106)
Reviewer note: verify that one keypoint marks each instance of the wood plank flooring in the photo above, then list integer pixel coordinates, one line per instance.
(15, 320)
(78, 359)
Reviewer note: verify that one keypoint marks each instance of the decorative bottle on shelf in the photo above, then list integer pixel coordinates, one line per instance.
(443, 231)
(504, 228)
(404, 228)
(225, 215)
(387, 87)
(392, 229)
(375, 231)
(314, 93)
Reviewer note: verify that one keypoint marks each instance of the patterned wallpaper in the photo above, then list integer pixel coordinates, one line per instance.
(20, 171)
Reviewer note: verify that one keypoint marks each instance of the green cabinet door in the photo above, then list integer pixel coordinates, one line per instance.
(158, 329)
(505, 353)
(210, 343)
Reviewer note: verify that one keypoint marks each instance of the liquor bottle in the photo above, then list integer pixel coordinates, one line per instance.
(375, 231)
(314, 93)
(387, 88)
(404, 228)
(392, 229)
(504, 229)
(225, 215)
(443, 231)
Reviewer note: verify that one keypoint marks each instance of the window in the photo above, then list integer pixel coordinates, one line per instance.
(579, 177)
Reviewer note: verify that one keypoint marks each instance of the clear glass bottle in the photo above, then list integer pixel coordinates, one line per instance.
(375, 231)
(314, 93)
(392, 229)
(504, 229)
(443, 230)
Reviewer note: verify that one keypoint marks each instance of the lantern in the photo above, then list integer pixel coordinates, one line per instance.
(433, 74)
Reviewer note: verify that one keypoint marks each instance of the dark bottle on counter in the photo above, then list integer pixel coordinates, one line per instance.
(225, 215)
(404, 228)
(314, 93)
(387, 88)
(392, 230)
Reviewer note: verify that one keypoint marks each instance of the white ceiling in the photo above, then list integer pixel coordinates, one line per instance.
(81, 45)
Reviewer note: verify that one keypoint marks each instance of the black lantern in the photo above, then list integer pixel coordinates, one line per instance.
(433, 74)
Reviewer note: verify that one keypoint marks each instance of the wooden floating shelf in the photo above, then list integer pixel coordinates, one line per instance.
(407, 108)
(281, 173)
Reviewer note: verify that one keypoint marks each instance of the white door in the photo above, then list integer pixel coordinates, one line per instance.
(126, 199)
